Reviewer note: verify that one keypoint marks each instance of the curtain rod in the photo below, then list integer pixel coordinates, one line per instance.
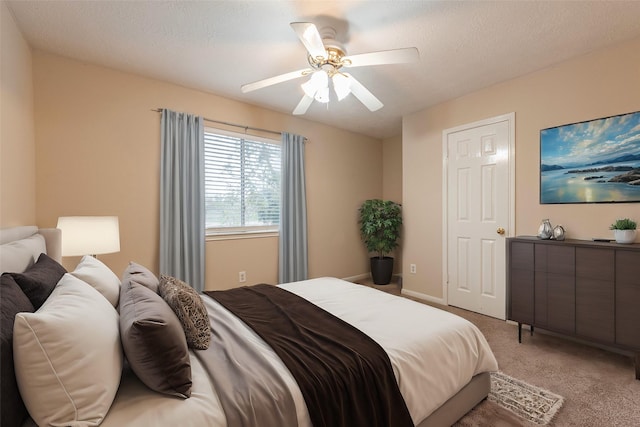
(159, 110)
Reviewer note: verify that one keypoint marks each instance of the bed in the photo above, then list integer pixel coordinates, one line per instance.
(441, 362)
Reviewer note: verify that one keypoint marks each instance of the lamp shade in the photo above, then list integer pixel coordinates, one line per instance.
(322, 95)
(89, 235)
(318, 81)
(341, 85)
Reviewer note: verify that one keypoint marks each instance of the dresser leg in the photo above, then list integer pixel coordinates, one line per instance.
(637, 365)
(519, 332)
(531, 330)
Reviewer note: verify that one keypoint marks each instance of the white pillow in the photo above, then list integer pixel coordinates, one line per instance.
(19, 255)
(68, 356)
(98, 275)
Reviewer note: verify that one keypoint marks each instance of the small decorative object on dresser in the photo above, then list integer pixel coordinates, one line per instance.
(558, 232)
(545, 231)
(624, 230)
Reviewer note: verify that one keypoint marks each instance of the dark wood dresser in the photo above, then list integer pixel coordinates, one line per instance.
(579, 288)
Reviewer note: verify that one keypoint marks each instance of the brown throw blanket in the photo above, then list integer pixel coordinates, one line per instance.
(345, 377)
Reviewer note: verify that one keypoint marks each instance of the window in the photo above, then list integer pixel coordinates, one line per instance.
(242, 183)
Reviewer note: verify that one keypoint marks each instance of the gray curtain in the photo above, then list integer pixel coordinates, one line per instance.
(182, 220)
(292, 259)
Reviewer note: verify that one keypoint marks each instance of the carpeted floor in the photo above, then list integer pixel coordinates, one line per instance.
(599, 387)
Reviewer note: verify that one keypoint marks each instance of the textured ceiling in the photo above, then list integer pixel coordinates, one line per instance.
(216, 46)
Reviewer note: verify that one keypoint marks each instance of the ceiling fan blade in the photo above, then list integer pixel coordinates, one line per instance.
(303, 105)
(272, 80)
(310, 38)
(362, 93)
(394, 56)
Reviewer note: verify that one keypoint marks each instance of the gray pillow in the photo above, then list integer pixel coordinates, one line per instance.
(141, 275)
(153, 341)
(13, 301)
(188, 306)
(38, 281)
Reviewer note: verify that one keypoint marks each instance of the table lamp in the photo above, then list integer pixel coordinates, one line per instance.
(89, 235)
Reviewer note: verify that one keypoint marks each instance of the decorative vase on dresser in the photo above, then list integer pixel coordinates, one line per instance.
(545, 231)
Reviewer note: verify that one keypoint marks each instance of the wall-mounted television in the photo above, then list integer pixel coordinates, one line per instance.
(596, 161)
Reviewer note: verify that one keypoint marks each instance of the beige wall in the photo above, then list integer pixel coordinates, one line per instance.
(17, 140)
(392, 184)
(97, 148)
(392, 169)
(600, 84)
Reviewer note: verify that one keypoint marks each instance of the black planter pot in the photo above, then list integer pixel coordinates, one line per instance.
(381, 270)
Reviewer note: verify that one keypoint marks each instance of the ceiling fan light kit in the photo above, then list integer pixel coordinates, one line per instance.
(318, 81)
(318, 86)
(322, 95)
(341, 85)
(326, 56)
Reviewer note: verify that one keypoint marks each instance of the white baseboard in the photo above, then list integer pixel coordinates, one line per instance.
(397, 278)
(357, 277)
(425, 297)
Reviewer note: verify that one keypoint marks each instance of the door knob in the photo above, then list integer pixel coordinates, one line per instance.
(500, 231)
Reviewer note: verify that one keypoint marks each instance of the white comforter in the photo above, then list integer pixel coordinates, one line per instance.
(434, 354)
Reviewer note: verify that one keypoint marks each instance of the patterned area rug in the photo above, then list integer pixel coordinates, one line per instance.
(528, 402)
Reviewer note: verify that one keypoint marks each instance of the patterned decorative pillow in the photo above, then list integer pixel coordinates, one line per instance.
(188, 306)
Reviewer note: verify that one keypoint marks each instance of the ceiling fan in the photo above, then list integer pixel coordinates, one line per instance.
(327, 58)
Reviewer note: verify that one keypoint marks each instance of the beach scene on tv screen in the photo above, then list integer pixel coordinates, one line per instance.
(597, 161)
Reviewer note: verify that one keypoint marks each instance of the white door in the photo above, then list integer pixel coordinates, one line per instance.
(478, 213)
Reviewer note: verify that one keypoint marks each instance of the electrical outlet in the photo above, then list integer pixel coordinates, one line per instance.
(242, 276)
(412, 268)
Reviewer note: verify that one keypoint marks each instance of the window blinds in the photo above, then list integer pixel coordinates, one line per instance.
(242, 183)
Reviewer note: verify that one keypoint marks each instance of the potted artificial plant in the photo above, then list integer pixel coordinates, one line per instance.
(380, 222)
(624, 230)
